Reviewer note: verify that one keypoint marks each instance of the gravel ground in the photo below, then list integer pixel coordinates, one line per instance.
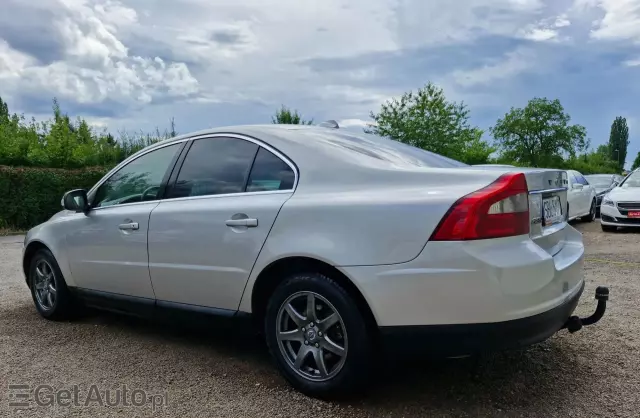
(227, 373)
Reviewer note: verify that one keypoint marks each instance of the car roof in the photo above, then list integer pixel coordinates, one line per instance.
(326, 155)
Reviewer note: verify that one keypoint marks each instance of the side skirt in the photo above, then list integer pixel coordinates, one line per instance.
(151, 308)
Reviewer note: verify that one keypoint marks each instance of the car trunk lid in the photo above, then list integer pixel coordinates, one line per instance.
(547, 207)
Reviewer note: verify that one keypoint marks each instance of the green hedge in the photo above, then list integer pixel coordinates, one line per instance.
(29, 196)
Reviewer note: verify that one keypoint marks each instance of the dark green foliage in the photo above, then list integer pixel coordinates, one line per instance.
(619, 141)
(427, 120)
(30, 195)
(61, 143)
(636, 162)
(539, 135)
(289, 117)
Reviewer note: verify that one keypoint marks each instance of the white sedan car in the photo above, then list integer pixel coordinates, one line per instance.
(581, 197)
(621, 206)
(332, 241)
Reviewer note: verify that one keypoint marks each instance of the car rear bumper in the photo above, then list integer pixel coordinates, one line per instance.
(474, 282)
(467, 339)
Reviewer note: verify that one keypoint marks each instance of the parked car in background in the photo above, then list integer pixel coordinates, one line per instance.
(581, 197)
(603, 183)
(621, 205)
(331, 241)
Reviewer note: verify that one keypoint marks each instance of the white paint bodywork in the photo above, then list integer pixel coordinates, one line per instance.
(362, 204)
(621, 194)
(580, 196)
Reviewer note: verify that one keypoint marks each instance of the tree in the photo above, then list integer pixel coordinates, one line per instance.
(425, 119)
(594, 162)
(539, 134)
(290, 117)
(619, 141)
(636, 162)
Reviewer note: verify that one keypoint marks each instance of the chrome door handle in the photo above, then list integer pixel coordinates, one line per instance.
(131, 226)
(248, 222)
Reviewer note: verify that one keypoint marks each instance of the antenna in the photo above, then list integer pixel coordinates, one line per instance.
(330, 124)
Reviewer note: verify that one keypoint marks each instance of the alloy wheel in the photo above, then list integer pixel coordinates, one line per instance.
(311, 336)
(45, 285)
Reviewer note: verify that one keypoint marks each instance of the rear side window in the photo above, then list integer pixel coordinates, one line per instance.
(215, 166)
(269, 172)
(580, 178)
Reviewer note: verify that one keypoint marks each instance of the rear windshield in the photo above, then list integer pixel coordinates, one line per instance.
(388, 150)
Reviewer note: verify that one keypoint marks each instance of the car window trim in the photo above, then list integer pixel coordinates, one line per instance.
(246, 174)
(180, 161)
(125, 163)
(259, 143)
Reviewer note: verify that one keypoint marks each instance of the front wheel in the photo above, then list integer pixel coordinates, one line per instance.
(592, 213)
(48, 288)
(317, 336)
(608, 228)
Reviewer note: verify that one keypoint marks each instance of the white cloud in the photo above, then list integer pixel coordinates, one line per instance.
(632, 63)
(96, 65)
(355, 123)
(621, 19)
(511, 64)
(135, 54)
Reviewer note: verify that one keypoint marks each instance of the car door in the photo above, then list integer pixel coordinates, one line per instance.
(587, 192)
(574, 195)
(219, 208)
(108, 246)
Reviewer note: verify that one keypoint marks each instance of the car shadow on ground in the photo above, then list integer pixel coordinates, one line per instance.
(511, 379)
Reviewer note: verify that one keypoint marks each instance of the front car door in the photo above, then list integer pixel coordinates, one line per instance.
(574, 195)
(108, 246)
(205, 236)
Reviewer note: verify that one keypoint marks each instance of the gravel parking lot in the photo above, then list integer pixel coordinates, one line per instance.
(227, 373)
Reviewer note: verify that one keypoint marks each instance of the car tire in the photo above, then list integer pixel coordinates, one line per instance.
(344, 348)
(48, 288)
(592, 213)
(609, 228)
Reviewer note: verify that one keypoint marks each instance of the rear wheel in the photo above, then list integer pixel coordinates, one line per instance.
(609, 228)
(592, 213)
(317, 336)
(48, 288)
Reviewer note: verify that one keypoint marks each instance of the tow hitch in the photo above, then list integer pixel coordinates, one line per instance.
(576, 323)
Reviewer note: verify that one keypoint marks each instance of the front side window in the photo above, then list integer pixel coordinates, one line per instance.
(269, 172)
(137, 181)
(215, 166)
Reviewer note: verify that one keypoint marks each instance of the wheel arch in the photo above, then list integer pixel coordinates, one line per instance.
(273, 274)
(29, 251)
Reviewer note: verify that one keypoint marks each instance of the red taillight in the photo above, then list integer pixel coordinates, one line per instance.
(499, 210)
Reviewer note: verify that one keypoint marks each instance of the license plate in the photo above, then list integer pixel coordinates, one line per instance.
(633, 214)
(552, 210)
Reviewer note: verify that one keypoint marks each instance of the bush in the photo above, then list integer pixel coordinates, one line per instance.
(29, 196)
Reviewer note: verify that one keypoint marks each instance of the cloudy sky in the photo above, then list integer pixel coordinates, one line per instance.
(134, 64)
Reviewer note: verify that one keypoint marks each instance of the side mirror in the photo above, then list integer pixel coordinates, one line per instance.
(577, 186)
(76, 201)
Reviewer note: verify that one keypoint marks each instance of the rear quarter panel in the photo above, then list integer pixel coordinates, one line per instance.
(383, 225)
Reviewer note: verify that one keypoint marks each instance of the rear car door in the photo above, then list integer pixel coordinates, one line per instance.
(206, 235)
(108, 246)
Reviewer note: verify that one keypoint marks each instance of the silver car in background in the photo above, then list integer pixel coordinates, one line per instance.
(332, 241)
